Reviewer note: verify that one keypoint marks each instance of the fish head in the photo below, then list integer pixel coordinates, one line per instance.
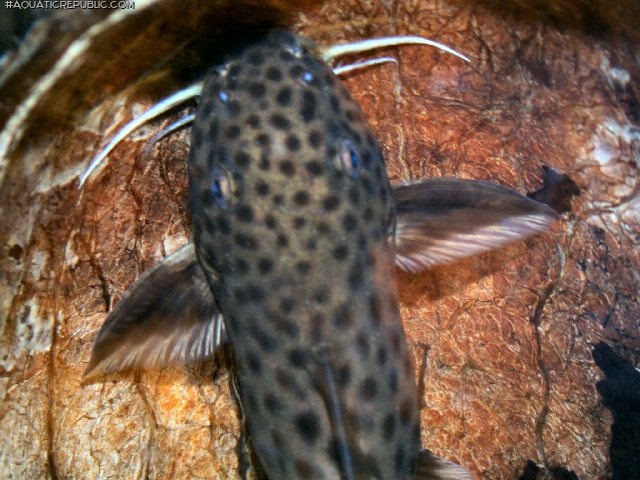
(286, 180)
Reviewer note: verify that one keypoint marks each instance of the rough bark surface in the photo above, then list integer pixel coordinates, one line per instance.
(504, 344)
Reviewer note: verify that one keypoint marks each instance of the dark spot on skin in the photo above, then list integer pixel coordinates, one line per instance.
(321, 295)
(287, 167)
(379, 171)
(274, 74)
(244, 213)
(284, 380)
(214, 129)
(408, 367)
(310, 245)
(388, 427)
(323, 228)
(301, 198)
(362, 342)
(234, 108)
(317, 325)
(308, 107)
(232, 84)
(283, 240)
(286, 326)
(382, 356)
(265, 341)
(298, 358)
(315, 139)
(354, 196)
(362, 240)
(253, 121)
(355, 277)
(264, 266)
(293, 143)
(256, 58)
(371, 139)
(270, 221)
(366, 159)
(257, 90)
(243, 159)
(330, 203)
(264, 164)
(353, 116)
(303, 267)
(287, 304)
(277, 439)
(342, 317)
(368, 389)
(223, 226)
(232, 132)
(209, 226)
(350, 222)
(197, 138)
(395, 341)
(393, 381)
(245, 241)
(283, 97)
(296, 70)
(280, 121)
(286, 56)
(406, 412)
(375, 310)
(262, 188)
(303, 468)
(340, 252)
(399, 459)
(334, 103)
(368, 213)
(272, 404)
(315, 168)
(255, 293)
(344, 376)
(206, 109)
(299, 222)
(238, 293)
(278, 200)
(254, 363)
(241, 265)
(308, 426)
(263, 140)
(366, 183)
(250, 401)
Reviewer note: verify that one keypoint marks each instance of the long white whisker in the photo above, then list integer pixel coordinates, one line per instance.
(330, 53)
(159, 108)
(343, 69)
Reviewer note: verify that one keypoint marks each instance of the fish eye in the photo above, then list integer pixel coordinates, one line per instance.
(348, 159)
(220, 187)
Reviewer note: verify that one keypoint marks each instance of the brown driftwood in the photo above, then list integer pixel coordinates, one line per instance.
(502, 343)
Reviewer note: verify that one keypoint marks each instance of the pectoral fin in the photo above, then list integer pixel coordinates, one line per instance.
(431, 467)
(441, 220)
(169, 316)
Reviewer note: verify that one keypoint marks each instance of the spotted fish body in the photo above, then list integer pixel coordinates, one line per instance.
(291, 213)
(296, 229)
